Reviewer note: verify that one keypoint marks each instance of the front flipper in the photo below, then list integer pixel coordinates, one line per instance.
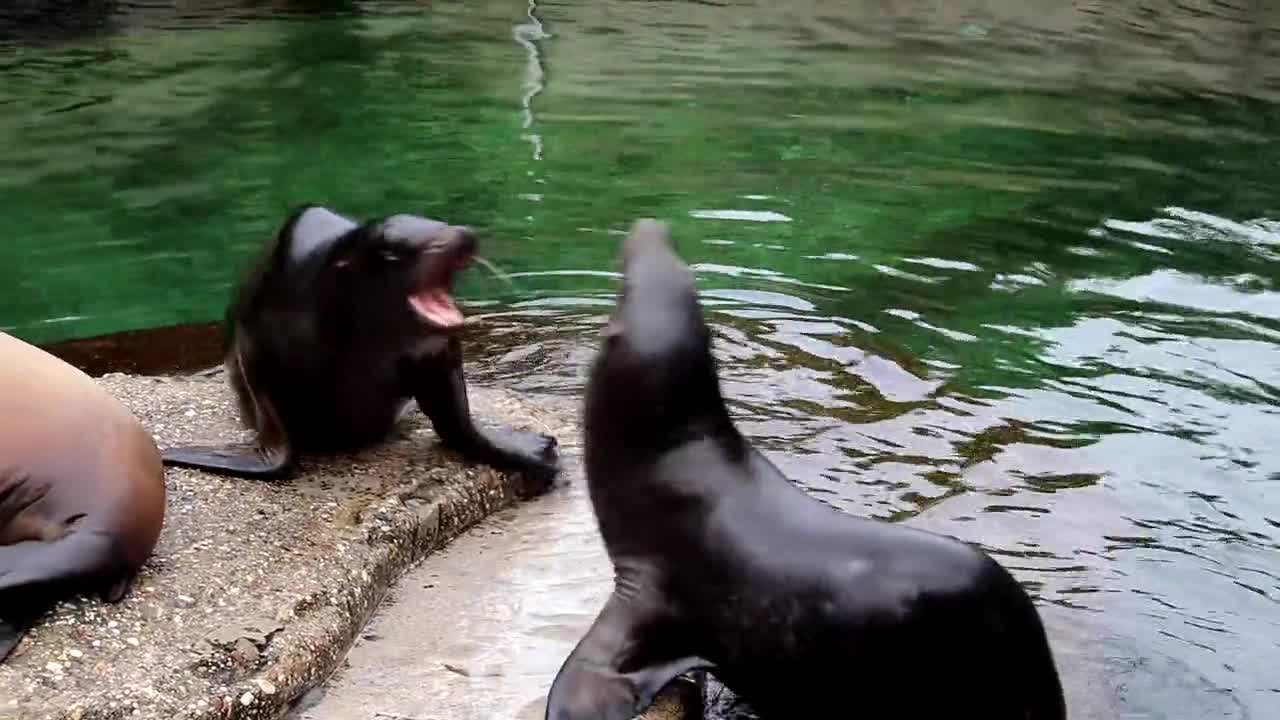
(618, 668)
(441, 393)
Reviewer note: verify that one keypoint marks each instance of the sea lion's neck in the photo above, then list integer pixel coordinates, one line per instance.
(650, 423)
(639, 472)
(639, 431)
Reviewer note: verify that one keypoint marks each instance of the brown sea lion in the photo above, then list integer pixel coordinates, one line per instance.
(338, 328)
(82, 493)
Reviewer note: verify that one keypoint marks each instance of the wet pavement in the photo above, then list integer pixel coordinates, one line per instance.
(479, 629)
(255, 587)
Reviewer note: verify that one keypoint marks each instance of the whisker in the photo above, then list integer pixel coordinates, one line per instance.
(497, 271)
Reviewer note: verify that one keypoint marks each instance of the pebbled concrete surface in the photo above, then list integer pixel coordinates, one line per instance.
(256, 589)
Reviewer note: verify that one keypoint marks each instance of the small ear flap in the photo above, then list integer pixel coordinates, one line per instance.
(612, 328)
(314, 228)
(408, 228)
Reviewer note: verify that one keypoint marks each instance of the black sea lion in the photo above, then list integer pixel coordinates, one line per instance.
(82, 495)
(723, 564)
(333, 333)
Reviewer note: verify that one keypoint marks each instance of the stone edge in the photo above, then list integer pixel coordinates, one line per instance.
(315, 643)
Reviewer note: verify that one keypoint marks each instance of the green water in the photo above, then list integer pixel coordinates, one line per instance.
(1011, 272)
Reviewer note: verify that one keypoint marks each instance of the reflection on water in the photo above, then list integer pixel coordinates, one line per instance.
(1005, 272)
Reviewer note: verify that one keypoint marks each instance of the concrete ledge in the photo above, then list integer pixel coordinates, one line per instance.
(256, 589)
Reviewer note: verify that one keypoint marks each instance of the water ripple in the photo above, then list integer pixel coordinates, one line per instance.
(1007, 271)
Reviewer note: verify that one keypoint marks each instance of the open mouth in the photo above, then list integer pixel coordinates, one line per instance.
(437, 307)
(433, 302)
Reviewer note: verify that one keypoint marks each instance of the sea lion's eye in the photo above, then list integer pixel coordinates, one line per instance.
(391, 255)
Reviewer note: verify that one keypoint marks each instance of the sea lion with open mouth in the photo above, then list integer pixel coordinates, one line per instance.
(721, 563)
(337, 329)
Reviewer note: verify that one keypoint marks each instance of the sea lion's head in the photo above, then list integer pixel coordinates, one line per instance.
(656, 312)
(655, 367)
(395, 270)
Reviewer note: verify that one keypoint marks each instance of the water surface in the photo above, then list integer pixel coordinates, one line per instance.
(1006, 273)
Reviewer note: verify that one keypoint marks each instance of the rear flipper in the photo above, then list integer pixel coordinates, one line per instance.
(593, 684)
(77, 557)
(270, 457)
(249, 460)
(34, 574)
(22, 608)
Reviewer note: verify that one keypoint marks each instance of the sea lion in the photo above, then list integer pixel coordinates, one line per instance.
(82, 494)
(723, 565)
(335, 329)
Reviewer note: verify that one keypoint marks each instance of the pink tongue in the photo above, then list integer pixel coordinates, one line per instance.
(436, 307)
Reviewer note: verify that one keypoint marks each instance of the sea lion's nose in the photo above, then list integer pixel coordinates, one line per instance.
(646, 234)
(461, 239)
